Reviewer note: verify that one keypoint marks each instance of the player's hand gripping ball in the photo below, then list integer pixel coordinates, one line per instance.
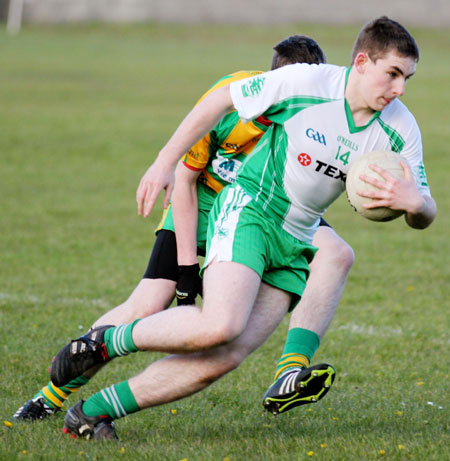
(390, 161)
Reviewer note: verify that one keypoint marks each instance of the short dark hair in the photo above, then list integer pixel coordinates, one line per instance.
(383, 35)
(297, 48)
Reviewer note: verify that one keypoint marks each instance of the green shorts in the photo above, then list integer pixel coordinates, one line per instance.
(206, 197)
(240, 232)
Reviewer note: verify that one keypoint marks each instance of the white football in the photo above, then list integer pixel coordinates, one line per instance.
(387, 160)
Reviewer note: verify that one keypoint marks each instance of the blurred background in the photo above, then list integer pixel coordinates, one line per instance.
(434, 13)
(90, 90)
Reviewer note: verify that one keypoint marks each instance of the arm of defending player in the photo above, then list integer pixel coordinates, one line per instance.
(185, 218)
(202, 118)
(185, 213)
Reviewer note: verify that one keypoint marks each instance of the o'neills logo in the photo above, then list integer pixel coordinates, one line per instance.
(253, 87)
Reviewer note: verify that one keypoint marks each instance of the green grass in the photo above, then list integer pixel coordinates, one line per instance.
(83, 111)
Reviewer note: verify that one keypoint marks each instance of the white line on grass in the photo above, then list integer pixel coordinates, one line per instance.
(60, 301)
(371, 330)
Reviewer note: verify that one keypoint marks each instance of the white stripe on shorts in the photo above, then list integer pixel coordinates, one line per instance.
(221, 246)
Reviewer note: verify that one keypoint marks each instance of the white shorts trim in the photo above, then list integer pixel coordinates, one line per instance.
(221, 245)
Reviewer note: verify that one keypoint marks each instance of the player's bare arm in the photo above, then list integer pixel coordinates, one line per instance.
(160, 176)
(400, 194)
(185, 213)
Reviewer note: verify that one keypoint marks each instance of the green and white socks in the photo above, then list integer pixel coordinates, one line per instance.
(299, 349)
(119, 340)
(116, 401)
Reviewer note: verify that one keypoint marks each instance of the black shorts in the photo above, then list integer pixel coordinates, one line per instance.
(323, 223)
(163, 262)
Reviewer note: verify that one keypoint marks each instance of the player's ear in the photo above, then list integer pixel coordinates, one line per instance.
(361, 61)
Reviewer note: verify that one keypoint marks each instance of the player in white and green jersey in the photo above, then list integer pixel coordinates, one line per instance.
(313, 142)
(317, 156)
(265, 221)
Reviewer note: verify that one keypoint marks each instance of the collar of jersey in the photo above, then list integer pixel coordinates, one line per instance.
(351, 123)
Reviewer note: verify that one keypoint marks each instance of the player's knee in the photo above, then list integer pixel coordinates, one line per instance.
(337, 254)
(235, 358)
(218, 334)
(226, 361)
(345, 256)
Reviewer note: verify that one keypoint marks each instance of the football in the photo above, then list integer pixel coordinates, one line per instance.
(387, 160)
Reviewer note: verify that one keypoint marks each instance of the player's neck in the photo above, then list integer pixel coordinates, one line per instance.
(360, 110)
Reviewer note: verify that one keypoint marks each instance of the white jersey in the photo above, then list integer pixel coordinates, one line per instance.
(300, 165)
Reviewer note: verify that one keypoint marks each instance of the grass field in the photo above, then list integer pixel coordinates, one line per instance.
(83, 111)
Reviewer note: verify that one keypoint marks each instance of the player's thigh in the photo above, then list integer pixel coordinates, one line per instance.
(271, 305)
(269, 309)
(229, 293)
(149, 297)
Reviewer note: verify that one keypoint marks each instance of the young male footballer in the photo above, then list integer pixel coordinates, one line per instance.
(261, 227)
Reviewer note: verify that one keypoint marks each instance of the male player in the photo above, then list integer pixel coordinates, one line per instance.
(260, 232)
(214, 161)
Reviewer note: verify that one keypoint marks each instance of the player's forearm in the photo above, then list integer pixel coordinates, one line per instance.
(185, 218)
(160, 175)
(200, 120)
(423, 215)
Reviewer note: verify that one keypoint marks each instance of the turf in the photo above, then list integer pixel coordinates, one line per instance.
(83, 111)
